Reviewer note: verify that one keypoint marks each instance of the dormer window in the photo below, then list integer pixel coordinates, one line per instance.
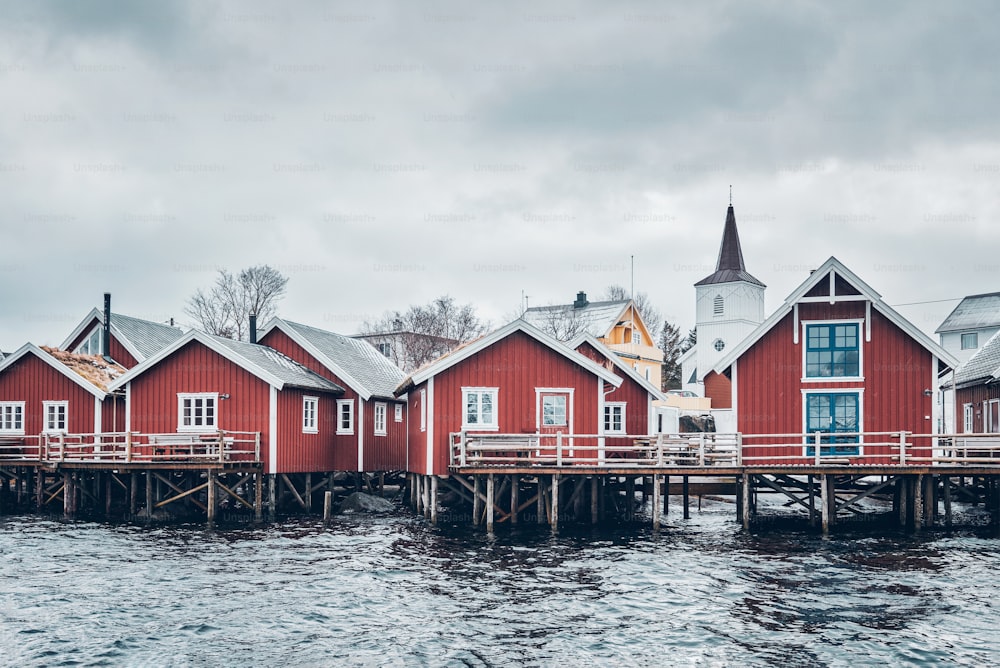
(718, 306)
(92, 344)
(636, 337)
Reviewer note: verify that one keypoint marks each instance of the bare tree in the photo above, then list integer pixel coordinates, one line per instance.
(425, 332)
(562, 325)
(224, 310)
(647, 311)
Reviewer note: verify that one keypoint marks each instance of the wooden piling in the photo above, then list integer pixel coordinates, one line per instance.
(812, 500)
(666, 495)
(946, 493)
(655, 502)
(213, 499)
(490, 500)
(555, 502)
(918, 502)
(477, 502)
(629, 498)
(272, 497)
(824, 493)
(149, 496)
(434, 499)
(515, 484)
(745, 496)
(327, 507)
(258, 496)
(684, 492)
(540, 500)
(595, 506)
(904, 500)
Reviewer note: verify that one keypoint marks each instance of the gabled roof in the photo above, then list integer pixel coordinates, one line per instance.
(266, 363)
(616, 359)
(142, 338)
(823, 274)
(597, 318)
(973, 312)
(730, 267)
(983, 367)
(355, 361)
(91, 372)
(469, 349)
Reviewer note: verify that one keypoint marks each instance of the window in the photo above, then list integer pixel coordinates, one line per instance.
(380, 419)
(614, 418)
(636, 337)
(833, 414)
(399, 412)
(647, 373)
(719, 345)
(55, 415)
(991, 416)
(196, 412)
(970, 341)
(309, 406)
(480, 408)
(832, 351)
(92, 344)
(969, 411)
(345, 416)
(11, 417)
(384, 348)
(553, 410)
(718, 305)
(423, 410)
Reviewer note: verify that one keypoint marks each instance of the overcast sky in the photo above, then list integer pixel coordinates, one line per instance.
(382, 154)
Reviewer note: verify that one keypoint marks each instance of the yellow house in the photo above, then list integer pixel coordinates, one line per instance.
(617, 324)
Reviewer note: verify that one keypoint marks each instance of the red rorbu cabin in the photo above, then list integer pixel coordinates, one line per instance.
(516, 380)
(370, 420)
(977, 393)
(50, 391)
(206, 384)
(837, 364)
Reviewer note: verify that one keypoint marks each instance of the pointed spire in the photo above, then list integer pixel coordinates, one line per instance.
(730, 267)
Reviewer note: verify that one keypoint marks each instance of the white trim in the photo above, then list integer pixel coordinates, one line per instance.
(128, 407)
(422, 398)
(650, 416)
(601, 441)
(397, 412)
(359, 428)
(430, 425)
(832, 379)
(12, 404)
(115, 333)
(623, 405)
(341, 430)
(385, 418)
(272, 429)
(936, 408)
(860, 391)
(571, 391)
(97, 416)
(55, 364)
(493, 426)
(46, 405)
(182, 396)
(98, 329)
(78, 330)
(314, 428)
(735, 394)
(451, 359)
(868, 323)
(968, 418)
(866, 290)
(795, 324)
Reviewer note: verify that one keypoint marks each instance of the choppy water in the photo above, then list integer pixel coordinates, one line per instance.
(395, 590)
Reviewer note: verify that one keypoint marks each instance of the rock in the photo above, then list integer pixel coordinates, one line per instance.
(359, 502)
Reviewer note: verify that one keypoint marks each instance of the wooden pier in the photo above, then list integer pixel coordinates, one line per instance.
(497, 479)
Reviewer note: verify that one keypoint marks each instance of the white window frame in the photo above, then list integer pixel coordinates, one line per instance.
(609, 408)
(423, 410)
(47, 408)
(204, 396)
(860, 322)
(93, 339)
(636, 337)
(310, 415)
(809, 440)
(975, 340)
(381, 417)
(341, 405)
(969, 418)
(398, 413)
(480, 426)
(11, 414)
(991, 426)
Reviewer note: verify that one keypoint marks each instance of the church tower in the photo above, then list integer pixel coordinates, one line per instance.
(729, 305)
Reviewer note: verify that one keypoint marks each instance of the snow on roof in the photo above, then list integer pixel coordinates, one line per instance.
(92, 368)
(973, 312)
(596, 318)
(983, 366)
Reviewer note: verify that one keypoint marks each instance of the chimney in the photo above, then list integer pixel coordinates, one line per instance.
(253, 328)
(106, 344)
(581, 300)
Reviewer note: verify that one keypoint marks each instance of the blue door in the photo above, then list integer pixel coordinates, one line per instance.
(836, 416)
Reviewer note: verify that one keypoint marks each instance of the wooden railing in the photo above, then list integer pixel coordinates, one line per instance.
(900, 448)
(221, 447)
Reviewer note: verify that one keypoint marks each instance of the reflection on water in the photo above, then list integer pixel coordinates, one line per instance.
(396, 590)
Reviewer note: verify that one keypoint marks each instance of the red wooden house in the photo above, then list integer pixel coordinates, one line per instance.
(837, 360)
(628, 409)
(124, 339)
(203, 384)
(370, 420)
(977, 393)
(516, 380)
(49, 391)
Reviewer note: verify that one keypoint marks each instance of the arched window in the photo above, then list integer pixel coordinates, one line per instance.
(718, 306)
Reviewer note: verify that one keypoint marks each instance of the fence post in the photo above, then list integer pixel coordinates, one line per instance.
(256, 447)
(559, 448)
(902, 448)
(463, 448)
(818, 441)
(701, 449)
(128, 446)
(62, 447)
(739, 448)
(659, 451)
(222, 447)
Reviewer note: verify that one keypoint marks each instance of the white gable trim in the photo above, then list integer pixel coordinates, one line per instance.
(875, 299)
(471, 349)
(292, 333)
(619, 363)
(96, 313)
(210, 343)
(32, 349)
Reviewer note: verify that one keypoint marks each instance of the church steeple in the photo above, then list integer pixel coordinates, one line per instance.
(730, 267)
